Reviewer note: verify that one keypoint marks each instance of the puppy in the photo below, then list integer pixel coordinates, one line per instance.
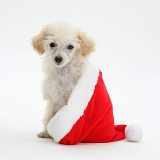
(65, 51)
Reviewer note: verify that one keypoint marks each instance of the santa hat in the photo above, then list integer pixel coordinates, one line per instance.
(88, 115)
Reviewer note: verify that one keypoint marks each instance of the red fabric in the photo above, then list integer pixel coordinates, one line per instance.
(97, 122)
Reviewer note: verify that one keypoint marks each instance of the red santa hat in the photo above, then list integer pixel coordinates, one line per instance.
(88, 115)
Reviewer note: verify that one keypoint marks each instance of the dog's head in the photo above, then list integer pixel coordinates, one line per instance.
(61, 42)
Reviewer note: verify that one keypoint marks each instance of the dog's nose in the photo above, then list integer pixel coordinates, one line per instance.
(58, 59)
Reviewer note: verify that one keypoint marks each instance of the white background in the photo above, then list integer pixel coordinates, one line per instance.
(127, 36)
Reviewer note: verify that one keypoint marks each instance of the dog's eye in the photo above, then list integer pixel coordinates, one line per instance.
(70, 47)
(52, 45)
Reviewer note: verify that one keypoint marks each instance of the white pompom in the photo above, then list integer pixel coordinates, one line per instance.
(133, 133)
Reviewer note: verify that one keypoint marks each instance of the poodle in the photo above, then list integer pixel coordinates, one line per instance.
(65, 50)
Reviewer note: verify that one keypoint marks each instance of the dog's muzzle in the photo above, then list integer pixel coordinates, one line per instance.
(58, 59)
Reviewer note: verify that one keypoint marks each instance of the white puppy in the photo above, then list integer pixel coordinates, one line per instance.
(65, 51)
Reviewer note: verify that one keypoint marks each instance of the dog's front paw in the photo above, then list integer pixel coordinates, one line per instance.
(43, 135)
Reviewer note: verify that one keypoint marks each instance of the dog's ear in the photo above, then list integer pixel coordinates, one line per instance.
(37, 42)
(87, 44)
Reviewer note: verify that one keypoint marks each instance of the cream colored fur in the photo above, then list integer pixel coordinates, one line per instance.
(61, 78)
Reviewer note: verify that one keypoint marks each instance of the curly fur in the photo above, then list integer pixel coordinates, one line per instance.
(61, 78)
